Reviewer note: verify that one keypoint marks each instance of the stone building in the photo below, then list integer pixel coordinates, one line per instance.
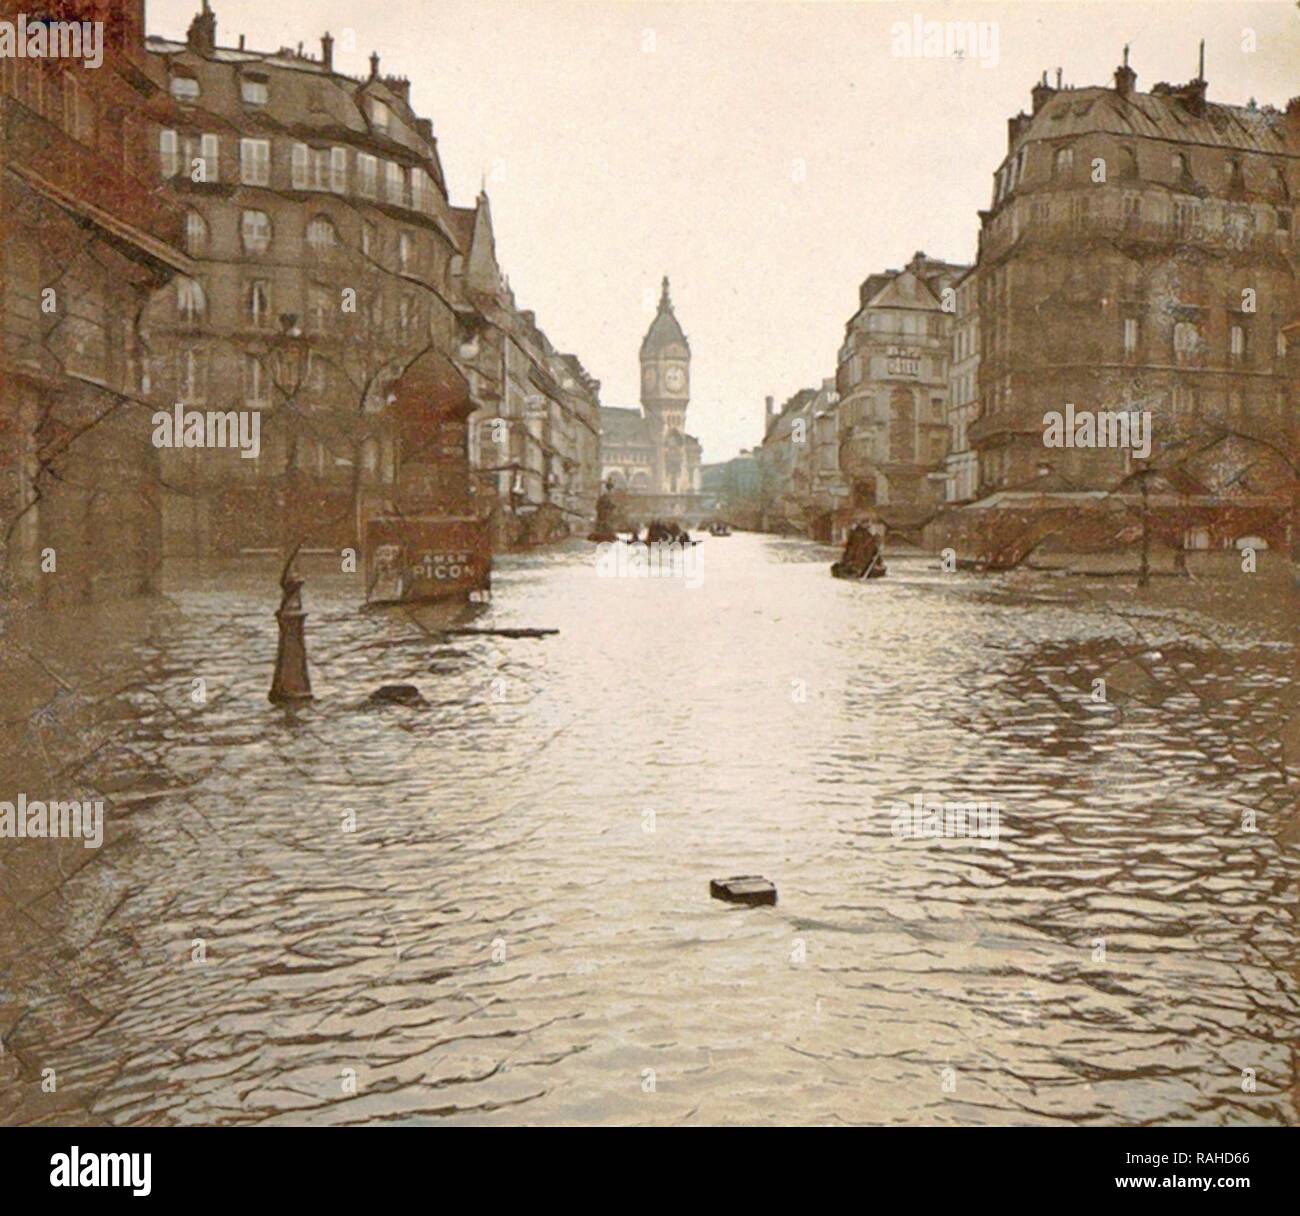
(786, 464)
(317, 218)
(892, 379)
(86, 234)
(648, 452)
(339, 295)
(535, 435)
(961, 467)
(1139, 255)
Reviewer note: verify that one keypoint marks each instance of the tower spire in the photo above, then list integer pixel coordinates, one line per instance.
(664, 301)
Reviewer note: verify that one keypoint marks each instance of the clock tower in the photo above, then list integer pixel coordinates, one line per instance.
(665, 391)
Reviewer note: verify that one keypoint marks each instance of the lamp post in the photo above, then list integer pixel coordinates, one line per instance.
(291, 681)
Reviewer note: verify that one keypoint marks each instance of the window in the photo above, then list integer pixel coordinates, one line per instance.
(1064, 162)
(322, 237)
(255, 229)
(317, 379)
(256, 382)
(191, 303)
(396, 182)
(338, 170)
(168, 156)
(1130, 335)
(380, 114)
(421, 190)
(405, 251)
(255, 162)
(318, 308)
(376, 310)
(1237, 343)
(368, 238)
(191, 376)
(405, 314)
(368, 174)
(196, 234)
(1281, 345)
(1184, 215)
(210, 154)
(312, 167)
(257, 303)
(1132, 207)
(1181, 166)
(1186, 341)
(1128, 163)
(185, 88)
(254, 91)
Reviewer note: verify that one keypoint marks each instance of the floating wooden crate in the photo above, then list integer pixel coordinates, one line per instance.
(750, 889)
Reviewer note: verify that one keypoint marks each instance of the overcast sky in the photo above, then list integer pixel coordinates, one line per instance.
(768, 157)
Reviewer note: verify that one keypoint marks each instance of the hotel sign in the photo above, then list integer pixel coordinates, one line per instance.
(903, 361)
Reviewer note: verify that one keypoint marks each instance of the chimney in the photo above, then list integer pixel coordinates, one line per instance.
(771, 409)
(1058, 80)
(1125, 76)
(401, 85)
(201, 37)
(1042, 93)
(327, 51)
(374, 65)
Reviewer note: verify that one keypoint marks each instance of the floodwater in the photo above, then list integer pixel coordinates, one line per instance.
(495, 907)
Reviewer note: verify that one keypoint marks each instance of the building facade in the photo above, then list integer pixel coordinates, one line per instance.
(333, 285)
(317, 219)
(1139, 255)
(535, 434)
(961, 467)
(892, 379)
(86, 235)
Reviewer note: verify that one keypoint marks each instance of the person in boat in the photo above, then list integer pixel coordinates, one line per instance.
(861, 553)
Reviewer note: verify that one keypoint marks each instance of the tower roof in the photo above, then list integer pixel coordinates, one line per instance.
(664, 330)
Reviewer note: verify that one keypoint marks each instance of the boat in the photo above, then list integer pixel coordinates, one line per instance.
(719, 530)
(875, 570)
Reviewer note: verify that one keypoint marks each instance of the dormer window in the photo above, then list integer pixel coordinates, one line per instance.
(1182, 166)
(380, 114)
(1064, 162)
(254, 90)
(185, 88)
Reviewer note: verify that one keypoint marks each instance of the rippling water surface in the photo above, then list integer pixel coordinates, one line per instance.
(518, 928)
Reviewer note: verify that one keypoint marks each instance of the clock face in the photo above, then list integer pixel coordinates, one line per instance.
(675, 379)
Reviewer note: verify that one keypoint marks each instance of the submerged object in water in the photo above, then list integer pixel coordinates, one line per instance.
(751, 889)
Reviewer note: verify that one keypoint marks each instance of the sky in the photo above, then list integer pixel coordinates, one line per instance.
(766, 156)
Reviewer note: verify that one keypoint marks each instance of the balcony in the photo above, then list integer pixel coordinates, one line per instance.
(77, 176)
(1070, 230)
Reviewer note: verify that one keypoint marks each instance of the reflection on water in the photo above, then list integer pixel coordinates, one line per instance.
(518, 928)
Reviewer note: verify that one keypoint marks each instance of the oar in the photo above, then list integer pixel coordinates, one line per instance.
(867, 572)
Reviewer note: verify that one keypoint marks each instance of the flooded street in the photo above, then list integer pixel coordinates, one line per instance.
(495, 907)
